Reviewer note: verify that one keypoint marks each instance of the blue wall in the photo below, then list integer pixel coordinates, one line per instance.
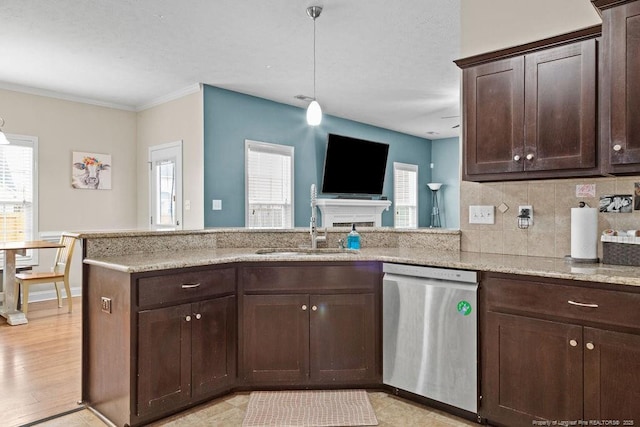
(445, 155)
(231, 117)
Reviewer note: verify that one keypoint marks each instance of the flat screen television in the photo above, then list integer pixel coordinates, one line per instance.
(354, 167)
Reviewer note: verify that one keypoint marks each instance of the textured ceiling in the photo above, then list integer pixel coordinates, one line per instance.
(388, 64)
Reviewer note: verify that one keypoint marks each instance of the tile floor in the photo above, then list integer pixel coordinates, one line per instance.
(229, 411)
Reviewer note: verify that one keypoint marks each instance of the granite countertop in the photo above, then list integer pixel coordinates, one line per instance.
(513, 264)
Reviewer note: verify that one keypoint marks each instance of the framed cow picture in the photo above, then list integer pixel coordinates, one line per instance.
(91, 171)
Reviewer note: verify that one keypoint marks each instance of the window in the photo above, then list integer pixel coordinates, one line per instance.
(18, 193)
(165, 186)
(269, 185)
(405, 193)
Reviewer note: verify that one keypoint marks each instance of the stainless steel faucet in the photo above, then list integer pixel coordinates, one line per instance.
(313, 230)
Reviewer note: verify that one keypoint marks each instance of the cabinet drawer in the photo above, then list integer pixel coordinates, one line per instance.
(365, 276)
(185, 286)
(582, 304)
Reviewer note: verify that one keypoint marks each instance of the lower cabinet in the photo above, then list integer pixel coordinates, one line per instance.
(559, 352)
(185, 352)
(166, 340)
(531, 370)
(308, 326)
(158, 342)
(611, 376)
(301, 339)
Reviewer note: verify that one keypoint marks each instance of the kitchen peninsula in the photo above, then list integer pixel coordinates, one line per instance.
(199, 306)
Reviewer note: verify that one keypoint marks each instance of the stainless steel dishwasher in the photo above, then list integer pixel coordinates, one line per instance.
(430, 333)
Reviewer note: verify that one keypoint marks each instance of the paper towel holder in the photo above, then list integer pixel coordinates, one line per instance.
(572, 260)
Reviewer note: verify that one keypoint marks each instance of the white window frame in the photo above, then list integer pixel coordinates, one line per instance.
(169, 151)
(31, 257)
(405, 167)
(283, 150)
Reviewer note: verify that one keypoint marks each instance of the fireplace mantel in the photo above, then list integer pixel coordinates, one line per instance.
(344, 212)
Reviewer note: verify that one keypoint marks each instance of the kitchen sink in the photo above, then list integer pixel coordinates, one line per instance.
(304, 251)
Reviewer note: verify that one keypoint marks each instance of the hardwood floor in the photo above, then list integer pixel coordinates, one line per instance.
(40, 363)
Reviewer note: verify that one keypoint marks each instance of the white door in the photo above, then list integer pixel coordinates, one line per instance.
(165, 186)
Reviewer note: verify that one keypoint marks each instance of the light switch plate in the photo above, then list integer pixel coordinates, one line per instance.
(482, 214)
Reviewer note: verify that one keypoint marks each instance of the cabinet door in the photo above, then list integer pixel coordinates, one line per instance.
(611, 376)
(531, 370)
(494, 117)
(622, 27)
(164, 358)
(276, 338)
(213, 355)
(560, 108)
(343, 332)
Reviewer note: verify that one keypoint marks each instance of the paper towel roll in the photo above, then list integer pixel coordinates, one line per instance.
(584, 233)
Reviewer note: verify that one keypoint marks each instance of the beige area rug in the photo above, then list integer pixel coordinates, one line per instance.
(309, 408)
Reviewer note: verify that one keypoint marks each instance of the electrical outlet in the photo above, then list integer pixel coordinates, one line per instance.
(530, 212)
(216, 205)
(105, 304)
(482, 215)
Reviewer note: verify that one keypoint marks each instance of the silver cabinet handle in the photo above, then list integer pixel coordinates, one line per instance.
(314, 308)
(529, 156)
(304, 307)
(590, 346)
(617, 147)
(516, 158)
(573, 343)
(190, 285)
(188, 318)
(198, 316)
(583, 304)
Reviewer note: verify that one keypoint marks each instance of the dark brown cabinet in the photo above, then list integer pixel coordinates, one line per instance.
(302, 338)
(307, 326)
(612, 375)
(494, 117)
(620, 127)
(168, 340)
(342, 338)
(276, 338)
(185, 352)
(531, 115)
(530, 370)
(559, 352)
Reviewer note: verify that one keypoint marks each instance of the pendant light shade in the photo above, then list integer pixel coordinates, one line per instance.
(314, 112)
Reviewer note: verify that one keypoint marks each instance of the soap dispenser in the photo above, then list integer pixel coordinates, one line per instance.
(353, 238)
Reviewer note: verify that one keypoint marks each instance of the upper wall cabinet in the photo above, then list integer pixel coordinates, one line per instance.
(620, 107)
(530, 112)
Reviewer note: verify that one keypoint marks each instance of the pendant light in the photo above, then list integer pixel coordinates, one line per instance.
(3, 137)
(314, 112)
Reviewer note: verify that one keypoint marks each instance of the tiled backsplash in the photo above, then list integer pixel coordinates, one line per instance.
(552, 200)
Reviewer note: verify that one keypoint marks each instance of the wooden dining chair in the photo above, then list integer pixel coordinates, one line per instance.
(59, 273)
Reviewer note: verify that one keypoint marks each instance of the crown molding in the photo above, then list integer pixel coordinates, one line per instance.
(196, 87)
(63, 96)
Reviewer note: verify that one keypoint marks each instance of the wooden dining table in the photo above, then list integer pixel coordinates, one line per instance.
(11, 249)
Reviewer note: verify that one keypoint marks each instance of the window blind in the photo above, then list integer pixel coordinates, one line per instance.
(269, 195)
(405, 193)
(18, 193)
